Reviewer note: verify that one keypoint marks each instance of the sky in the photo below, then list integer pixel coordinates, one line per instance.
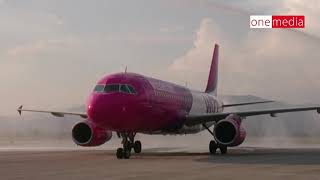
(52, 52)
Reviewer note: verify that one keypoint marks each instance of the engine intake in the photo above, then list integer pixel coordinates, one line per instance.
(88, 134)
(229, 131)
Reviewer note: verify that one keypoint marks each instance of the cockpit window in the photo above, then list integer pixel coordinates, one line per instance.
(109, 88)
(131, 89)
(112, 88)
(99, 88)
(124, 88)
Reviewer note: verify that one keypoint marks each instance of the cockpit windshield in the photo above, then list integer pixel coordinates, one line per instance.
(112, 88)
(131, 89)
(99, 88)
(124, 88)
(109, 88)
(127, 89)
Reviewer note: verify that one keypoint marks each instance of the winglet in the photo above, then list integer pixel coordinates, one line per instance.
(20, 109)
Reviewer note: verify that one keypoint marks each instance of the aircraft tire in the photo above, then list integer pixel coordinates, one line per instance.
(223, 149)
(120, 153)
(213, 147)
(137, 147)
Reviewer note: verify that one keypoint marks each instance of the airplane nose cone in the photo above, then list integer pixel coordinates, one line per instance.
(113, 112)
(105, 110)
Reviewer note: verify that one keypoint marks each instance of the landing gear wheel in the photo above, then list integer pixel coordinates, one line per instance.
(223, 149)
(126, 153)
(120, 153)
(128, 144)
(213, 147)
(137, 147)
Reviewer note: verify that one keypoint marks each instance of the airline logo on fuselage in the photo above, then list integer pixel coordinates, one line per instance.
(211, 104)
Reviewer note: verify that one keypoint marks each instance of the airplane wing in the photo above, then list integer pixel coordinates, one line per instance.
(241, 100)
(203, 118)
(246, 103)
(54, 113)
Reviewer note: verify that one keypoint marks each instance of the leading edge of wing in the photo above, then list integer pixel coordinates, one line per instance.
(203, 118)
(54, 113)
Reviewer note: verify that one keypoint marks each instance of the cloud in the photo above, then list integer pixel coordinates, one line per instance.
(278, 64)
(55, 18)
(171, 29)
(274, 7)
(31, 49)
(197, 57)
(39, 47)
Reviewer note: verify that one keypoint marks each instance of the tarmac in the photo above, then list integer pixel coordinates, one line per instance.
(162, 163)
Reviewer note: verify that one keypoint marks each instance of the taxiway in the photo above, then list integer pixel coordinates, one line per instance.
(161, 163)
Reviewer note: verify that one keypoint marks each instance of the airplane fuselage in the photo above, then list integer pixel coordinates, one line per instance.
(129, 103)
(156, 107)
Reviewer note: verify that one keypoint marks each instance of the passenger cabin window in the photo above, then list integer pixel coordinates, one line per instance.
(112, 88)
(99, 88)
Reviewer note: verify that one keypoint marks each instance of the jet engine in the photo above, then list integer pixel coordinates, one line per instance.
(229, 131)
(88, 134)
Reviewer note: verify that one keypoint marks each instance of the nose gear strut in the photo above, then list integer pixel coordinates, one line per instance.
(127, 144)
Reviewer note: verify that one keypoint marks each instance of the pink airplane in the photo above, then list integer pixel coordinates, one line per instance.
(128, 103)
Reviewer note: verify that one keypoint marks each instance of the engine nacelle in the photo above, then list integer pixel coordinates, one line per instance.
(229, 131)
(88, 134)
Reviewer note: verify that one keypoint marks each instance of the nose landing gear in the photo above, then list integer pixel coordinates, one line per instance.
(128, 144)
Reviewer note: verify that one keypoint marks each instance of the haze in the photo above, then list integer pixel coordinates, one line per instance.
(53, 52)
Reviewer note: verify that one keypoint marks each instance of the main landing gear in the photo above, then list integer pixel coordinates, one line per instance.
(213, 146)
(128, 144)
